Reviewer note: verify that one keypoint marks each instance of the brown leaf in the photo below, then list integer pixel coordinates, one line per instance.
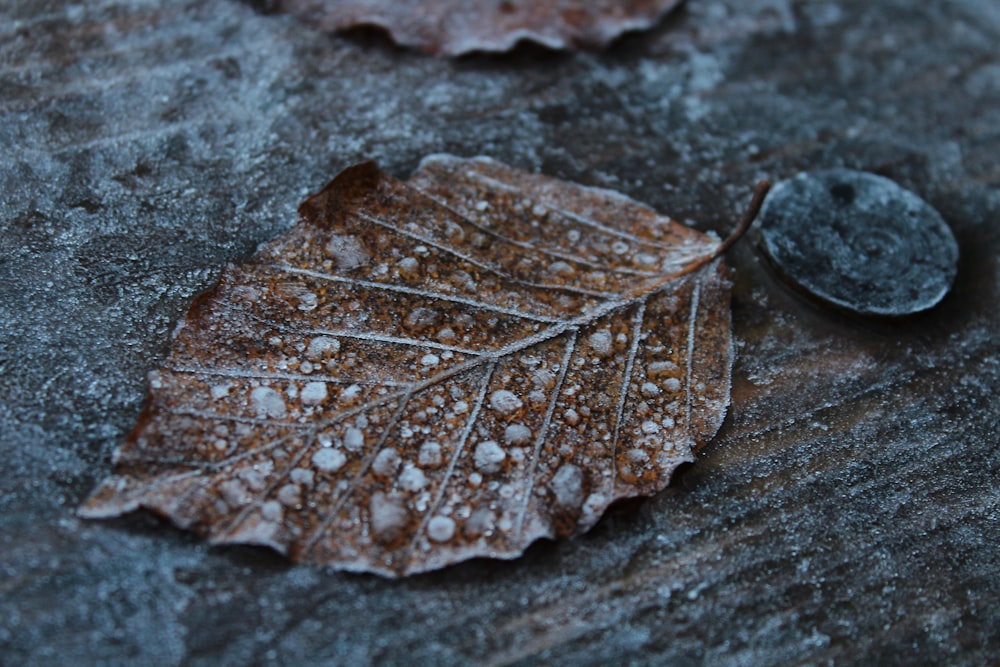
(453, 27)
(425, 372)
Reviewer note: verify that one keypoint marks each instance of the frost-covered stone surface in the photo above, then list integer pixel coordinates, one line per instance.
(846, 512)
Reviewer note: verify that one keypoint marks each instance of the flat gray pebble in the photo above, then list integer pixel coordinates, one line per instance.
(859, 241)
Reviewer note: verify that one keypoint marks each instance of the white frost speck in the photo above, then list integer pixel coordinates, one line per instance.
(430, 360)
(313, 393)
(268, 403)
(650, 427)
(329, 459)
(441, 528)
(489, 457)
(505, 402)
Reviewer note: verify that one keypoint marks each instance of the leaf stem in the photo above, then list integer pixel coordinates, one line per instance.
(749, 215)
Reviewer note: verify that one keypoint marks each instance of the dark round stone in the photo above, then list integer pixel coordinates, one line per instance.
(859, 241)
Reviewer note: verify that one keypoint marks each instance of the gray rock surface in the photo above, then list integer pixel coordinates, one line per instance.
(846, 513)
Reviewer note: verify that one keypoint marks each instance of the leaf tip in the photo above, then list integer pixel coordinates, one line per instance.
(359, 177)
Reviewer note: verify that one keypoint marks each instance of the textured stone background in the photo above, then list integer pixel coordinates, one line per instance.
(847, 512)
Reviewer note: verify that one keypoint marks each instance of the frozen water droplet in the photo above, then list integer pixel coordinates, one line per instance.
(268, 403)
(388, 517)
(347, 251)
(479, 523)
(461, 407)
(320, 346)
(571, 417)
(650, 427)
(543, 378)
(302, 476)
(271, 511)
(662, 368)
(673, 385)
(482, 205)
(313, 393)
(234, 493)
(567, 485)
(517, 434)
(408, 267)
(329, 459)
(562, 269)
(430, 455)
(307, 300)
(412, 478)
(289, 495)
(505, 402)
(649, 390)
(430, 360)
(441, 528)
(386, 462)
(350, 393)
(619, 247)
(219, 391)
(601, 342)
(354, 439)
(454, 232)
(421, 319)
(489, 457)
(593, 507)
(446, 335)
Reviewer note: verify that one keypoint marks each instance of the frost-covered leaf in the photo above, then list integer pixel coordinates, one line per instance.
(424, 372)
(452, 27)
